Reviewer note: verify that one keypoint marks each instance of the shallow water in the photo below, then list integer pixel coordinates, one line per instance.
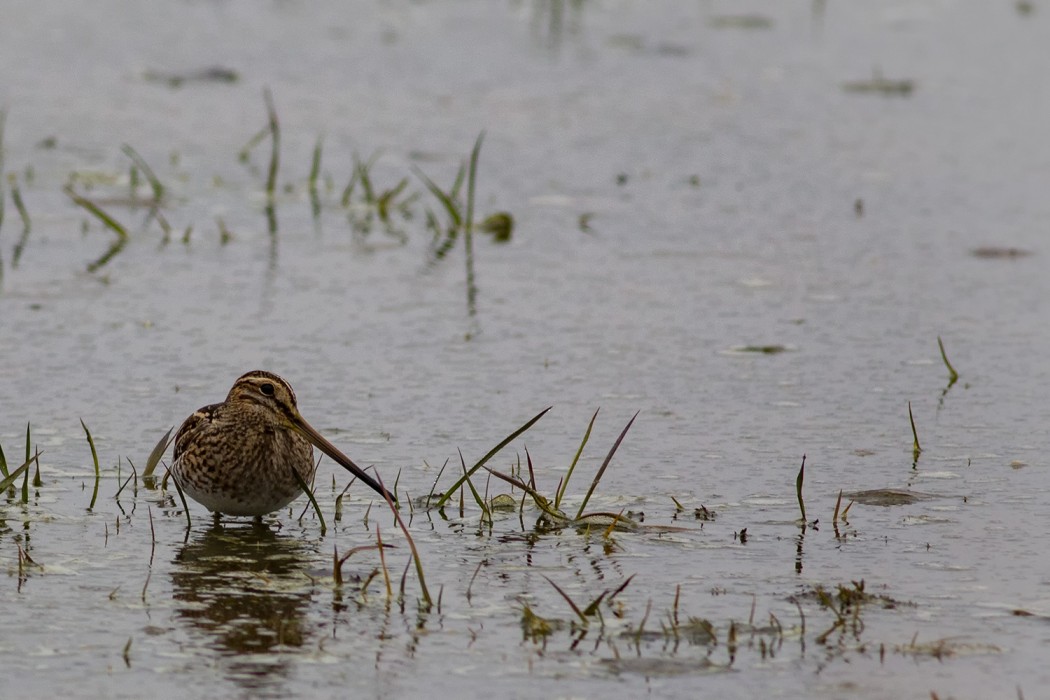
(716, 161)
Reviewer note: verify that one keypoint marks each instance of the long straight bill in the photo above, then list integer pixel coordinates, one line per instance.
(329, 449)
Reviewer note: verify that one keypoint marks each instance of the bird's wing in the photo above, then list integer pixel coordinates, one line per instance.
(192, 425)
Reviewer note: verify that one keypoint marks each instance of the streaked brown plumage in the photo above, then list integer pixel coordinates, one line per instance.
(236, 457)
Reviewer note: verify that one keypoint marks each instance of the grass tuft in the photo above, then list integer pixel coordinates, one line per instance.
(554, 518)
(491, 453)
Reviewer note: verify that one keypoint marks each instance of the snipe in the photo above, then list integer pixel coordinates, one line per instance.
(236, 457)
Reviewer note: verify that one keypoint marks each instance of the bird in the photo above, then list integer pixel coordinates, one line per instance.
(236, 457)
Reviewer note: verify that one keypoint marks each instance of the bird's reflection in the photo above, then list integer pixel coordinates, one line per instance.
(246, 590)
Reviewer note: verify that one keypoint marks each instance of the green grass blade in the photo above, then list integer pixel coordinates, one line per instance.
(254, 141)
(601, 470)
(3, 463)
(275, 143)
(457, 185)
(158, 452)
(348, 191)
(20, 207)
(472, 173)
(142, 165)
(384, 201)
(798, 488)
(309, 494)
(25, 479)
(486, 515)
(3, 121)
(447, 200)
(10, 479)
(468, 228)
(110, 223)
(315, 171)
(568, 474)
(433, 487)
(182, 497)
(953, 376)
(364, 172)
(25, 487)
(916, 448)
(506, 441)
(315, 165)
(94, 458)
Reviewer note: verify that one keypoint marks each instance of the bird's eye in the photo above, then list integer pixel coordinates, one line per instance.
(266, 389)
